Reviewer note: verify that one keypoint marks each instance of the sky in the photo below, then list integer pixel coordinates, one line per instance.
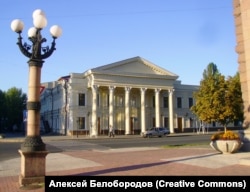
(181, 36)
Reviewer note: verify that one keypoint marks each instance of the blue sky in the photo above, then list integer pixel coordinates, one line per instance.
(182, 36)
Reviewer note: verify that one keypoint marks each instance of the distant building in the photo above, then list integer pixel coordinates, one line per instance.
(132, 95)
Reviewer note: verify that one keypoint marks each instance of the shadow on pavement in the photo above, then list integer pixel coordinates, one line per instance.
(119, 169)
(140, 166)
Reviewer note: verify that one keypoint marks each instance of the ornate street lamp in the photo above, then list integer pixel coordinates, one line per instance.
(33, 150)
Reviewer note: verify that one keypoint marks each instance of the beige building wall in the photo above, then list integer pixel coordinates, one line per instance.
(242, 30)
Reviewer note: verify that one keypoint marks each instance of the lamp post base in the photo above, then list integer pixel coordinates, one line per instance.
(33, 166)
(33, 143)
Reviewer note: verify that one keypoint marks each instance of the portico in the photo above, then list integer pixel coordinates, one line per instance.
(131, 93)
(128, 109)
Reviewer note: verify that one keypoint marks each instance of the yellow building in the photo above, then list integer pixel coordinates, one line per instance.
(242, 31)
(131, 95)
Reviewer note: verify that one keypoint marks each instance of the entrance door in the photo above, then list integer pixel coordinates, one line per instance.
(98, 125)
(179, 124)
(153, 121)
(166, 122)
(132, 125)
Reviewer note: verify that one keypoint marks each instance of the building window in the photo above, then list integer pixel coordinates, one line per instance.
(179, 102)
(81, 99)
(133, 101)
(98, 100)
(105, 100)
(190, 102)
(165, 102)
(166, 122)
(153, 101)
(108, 100)
(213, 124)
(120, 101)
(81, 122)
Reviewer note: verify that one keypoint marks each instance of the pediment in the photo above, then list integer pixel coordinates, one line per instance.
(133, 66)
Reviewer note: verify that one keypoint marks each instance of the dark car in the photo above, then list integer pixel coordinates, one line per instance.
(156, 132)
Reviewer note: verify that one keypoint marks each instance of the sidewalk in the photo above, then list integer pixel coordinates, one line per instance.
(147, 161)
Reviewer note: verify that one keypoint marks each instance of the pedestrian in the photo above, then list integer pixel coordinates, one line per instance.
(111, 131)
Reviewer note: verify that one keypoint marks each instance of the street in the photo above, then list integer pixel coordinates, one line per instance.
(9, 150)
(149, 142)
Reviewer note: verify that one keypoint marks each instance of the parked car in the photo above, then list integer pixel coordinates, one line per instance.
(156, 132)
(166, 131)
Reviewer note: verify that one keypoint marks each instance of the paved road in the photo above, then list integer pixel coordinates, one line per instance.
(9, 150)
(152, 142)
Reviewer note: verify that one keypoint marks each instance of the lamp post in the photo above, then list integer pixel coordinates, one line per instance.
(33, 151)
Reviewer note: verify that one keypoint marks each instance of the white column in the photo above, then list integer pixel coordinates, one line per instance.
(94, 111)
(171, 110)
(127, 111)
(157, 108)
(143, 115)
(111, 106)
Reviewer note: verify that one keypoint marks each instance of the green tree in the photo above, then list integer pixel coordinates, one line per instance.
(218, 99)
(235, 95)
(3, 114)
(211, 70)
(15, 102)
(2, 103)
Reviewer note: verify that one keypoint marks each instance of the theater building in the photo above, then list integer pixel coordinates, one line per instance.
(131, 95)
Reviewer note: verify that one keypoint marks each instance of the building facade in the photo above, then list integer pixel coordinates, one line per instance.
(130, 95)
(242, 31)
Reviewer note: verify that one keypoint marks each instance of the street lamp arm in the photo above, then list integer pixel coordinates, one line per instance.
(24, 48)
(48, 52)
(36, 48)
(37, 41)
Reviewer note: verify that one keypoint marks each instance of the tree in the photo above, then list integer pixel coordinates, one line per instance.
(211, 70)
(3, 114)
(15, 102)
(234, 92)
(218, 100)
(2, 103)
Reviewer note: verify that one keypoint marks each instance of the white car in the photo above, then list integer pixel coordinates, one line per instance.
(156, 132)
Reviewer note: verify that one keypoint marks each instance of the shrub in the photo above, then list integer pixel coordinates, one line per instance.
(227, 135)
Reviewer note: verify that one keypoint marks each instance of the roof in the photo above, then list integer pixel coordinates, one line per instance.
(135, 66)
